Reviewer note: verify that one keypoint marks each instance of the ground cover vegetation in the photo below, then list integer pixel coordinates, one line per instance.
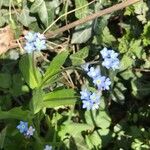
(73, 82)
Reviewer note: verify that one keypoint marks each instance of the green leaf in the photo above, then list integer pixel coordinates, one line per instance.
(98, 118)
(27, 70)
(78, 57)
(55, 67)
(2, 137)
(37, 100)
(141, 9)
(5, 80)
(4, 17)
(82, 33)
(136, 48)
(126, 62)
(146, 34)
(107, 37)
(123, 44)
(73, 129)
(25, 18)
(16, 113)
(118, 92)
(82, 12)
(18, 87)
(59, 98)
(39, 6)
(140, 88)
(127, 74)
(94, 140)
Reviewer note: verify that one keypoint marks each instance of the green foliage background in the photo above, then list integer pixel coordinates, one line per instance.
(41, 96)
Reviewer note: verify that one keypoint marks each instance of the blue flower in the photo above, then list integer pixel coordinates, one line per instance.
(30, 131)
(48, 147)
(29, 47)
(99, 82)
(90, 100)
(34, 42)
(111, 63)
(95, 100)
(115, 64)
(85, 94)
(108, 53)
(104, 52)
(30, 37)
(102, 82)
(87, 104)
(22, 127)
(94, 72)
(107, 83)
(40, 44)
(110, 59)
(85, 67)
(40, 36)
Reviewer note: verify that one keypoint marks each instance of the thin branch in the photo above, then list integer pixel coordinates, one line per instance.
(65, 14)
(88, 18)
(91, 17)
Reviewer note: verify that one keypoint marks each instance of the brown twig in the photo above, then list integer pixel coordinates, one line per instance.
(91, 17)
(88, 18)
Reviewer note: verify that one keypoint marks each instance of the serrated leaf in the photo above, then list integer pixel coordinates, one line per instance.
(123, 44)
(82, 12)
(141, 9)
(78, 57)
(146, 34)
(82, 33)
(107, 37)
(136, 48)
(126, 62)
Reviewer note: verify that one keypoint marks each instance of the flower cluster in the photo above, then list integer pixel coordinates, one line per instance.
(23, 128)
(34, 42)
(92, 100)
(111, 60)
(48, 147)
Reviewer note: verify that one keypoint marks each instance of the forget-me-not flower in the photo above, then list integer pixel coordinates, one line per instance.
(30, 36)
(22, 127)
(40, 44)
(29, 47)
(87, 104)
(48, 147)
(102, 82)
(110, 59)
(90, 100)
(85, 94)
(85, 67)
(94, 72)
(34, 42)
(30, 131)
